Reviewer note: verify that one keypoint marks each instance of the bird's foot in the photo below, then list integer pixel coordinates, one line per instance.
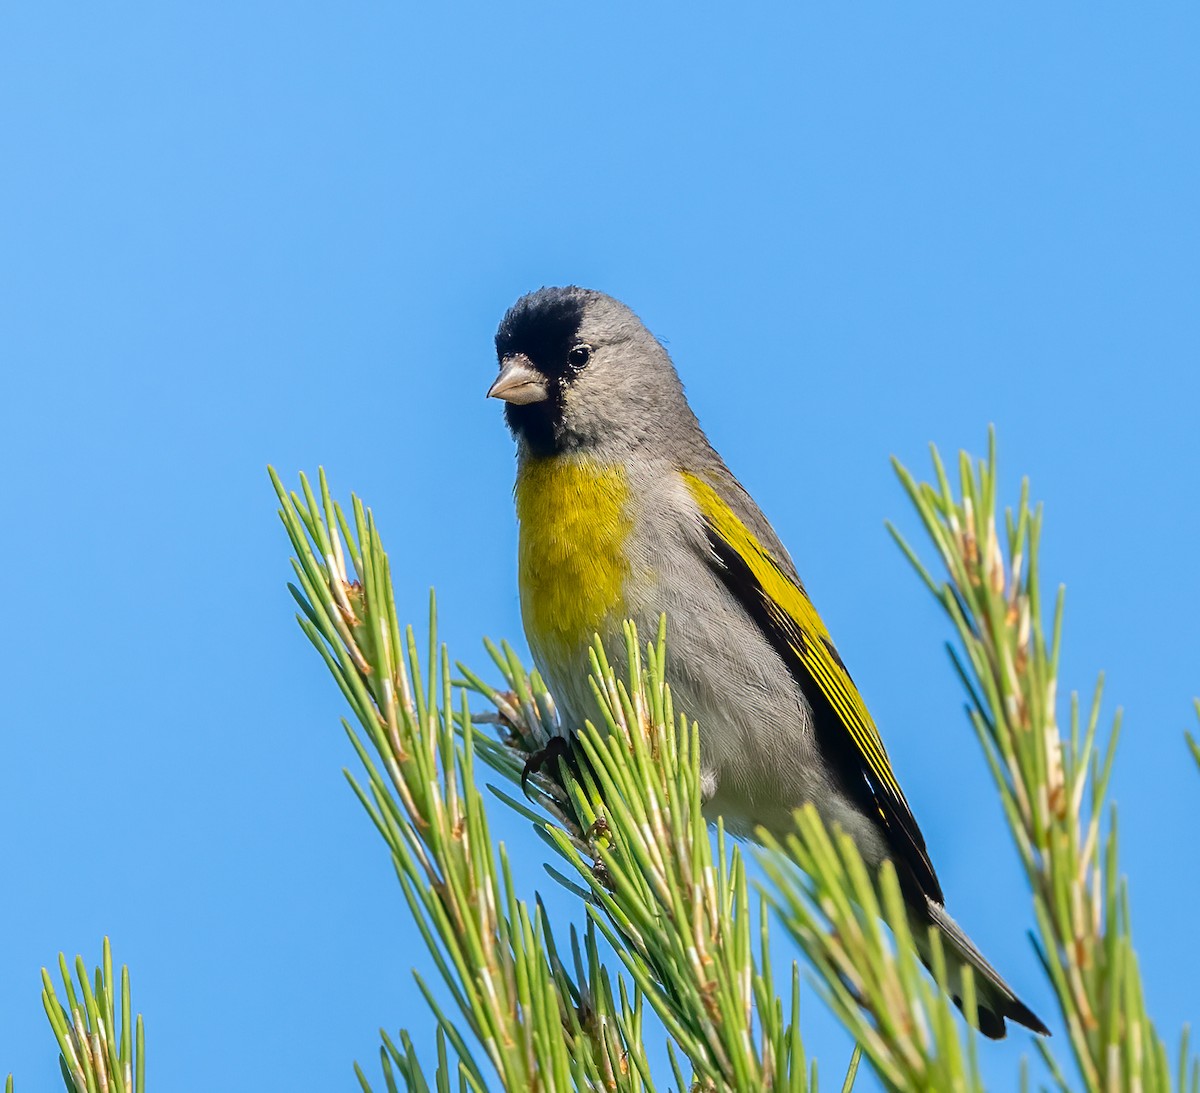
(557, 747)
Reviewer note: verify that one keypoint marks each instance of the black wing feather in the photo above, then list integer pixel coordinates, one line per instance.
(790, 640)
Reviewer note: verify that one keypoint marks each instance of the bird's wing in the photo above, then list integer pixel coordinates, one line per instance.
(789, 622)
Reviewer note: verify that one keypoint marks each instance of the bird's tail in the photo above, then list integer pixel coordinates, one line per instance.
(994, 999)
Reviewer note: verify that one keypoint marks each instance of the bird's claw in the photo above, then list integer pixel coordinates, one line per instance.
(557, 747)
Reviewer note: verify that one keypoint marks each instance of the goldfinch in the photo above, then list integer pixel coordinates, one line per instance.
(626, 511)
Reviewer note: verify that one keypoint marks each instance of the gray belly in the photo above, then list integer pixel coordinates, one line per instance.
(760, 758)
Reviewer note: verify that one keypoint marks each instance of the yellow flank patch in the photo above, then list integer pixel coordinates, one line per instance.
(572, 560)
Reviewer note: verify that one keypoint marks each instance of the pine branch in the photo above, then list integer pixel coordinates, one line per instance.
(538, 1023)
(98, 1055)
(621, 810)
(1053, 789)
(828, 903)
(625, 816)
(680, 919)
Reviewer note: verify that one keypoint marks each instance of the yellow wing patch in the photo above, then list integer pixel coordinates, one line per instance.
(794, 616)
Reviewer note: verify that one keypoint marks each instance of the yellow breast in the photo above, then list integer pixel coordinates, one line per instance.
(573, 566)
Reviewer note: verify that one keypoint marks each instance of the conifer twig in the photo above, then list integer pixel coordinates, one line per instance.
(97, 1052)
(621, 810)
(1053, 788)
(542, 1018)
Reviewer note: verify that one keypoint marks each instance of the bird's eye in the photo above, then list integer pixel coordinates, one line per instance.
(579, 356)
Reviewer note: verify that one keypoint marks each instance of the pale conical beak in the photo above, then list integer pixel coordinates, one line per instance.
(519, 382)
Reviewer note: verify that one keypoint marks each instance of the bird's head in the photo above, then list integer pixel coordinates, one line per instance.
(578, 370)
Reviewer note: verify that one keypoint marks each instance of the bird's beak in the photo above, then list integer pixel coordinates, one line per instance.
(519, 382)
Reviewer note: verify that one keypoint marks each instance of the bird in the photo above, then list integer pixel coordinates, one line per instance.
(626, 511)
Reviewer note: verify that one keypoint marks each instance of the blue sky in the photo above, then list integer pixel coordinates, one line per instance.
(235, 234)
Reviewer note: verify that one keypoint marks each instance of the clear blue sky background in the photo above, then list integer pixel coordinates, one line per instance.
(234, 234)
